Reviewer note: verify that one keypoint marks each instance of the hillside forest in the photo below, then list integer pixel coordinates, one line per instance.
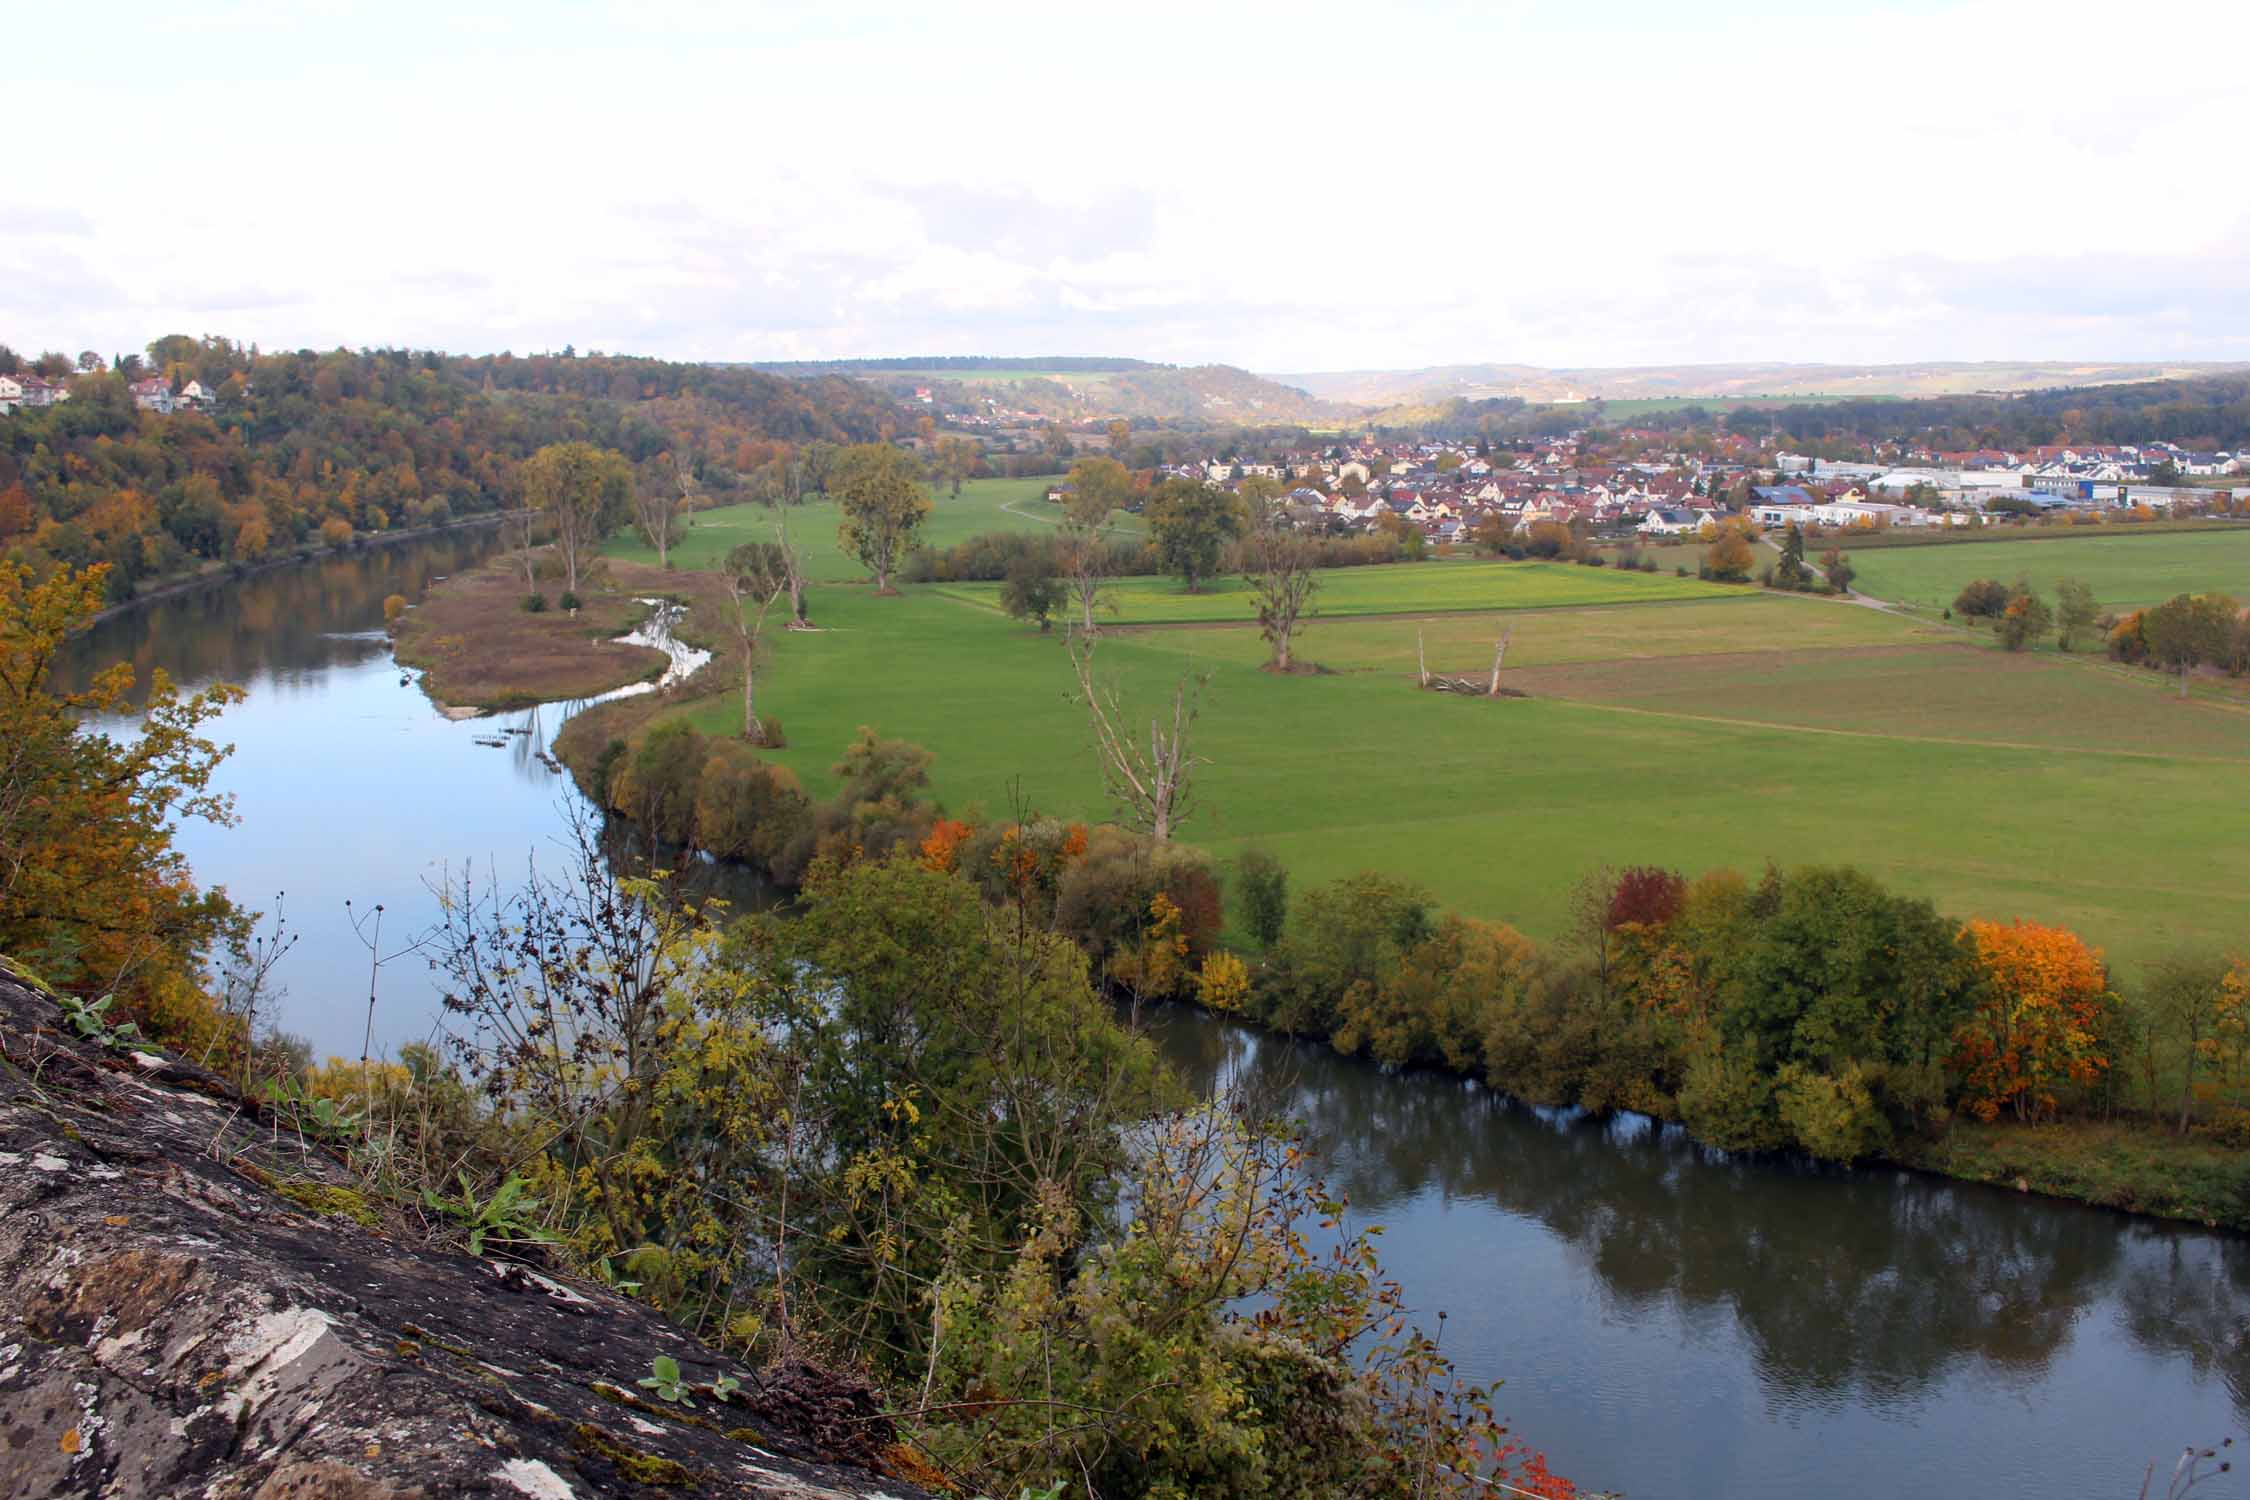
(304, 449)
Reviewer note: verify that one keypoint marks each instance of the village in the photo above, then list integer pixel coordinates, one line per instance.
(1662, 488)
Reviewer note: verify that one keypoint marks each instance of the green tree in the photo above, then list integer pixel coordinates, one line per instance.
(2188, 631)
(1278, 566)
(583, 491)
(884, 506)
(2026, 619)
(960, 1081)
(2180, 1003)
(2076, 613)
(1261, 887)
(1193, 523)
(1793, 573)
(1982, 599)
(1838, 570)
(1098, 487)
(1031, 591)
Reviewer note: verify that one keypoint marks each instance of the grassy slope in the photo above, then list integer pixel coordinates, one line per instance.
(2126, 571)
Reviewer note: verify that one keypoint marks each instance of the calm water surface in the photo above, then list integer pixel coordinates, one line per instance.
(349, 784)
(1670, 1323)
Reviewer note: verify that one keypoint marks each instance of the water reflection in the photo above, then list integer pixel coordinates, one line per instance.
(350, 785)
(288, 625)
(1799, 1313)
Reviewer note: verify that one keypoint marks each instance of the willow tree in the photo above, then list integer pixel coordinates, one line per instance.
(884, 505)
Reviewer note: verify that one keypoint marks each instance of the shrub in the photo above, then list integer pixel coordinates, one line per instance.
(534, 604)
(1982, 600)
(2230, 1127)
(745, 808)
(1833, 1117)
(393, 607)
(1262, 896)
(569, 601)
(656, 783)
(1103, 900)
(1729, 1104)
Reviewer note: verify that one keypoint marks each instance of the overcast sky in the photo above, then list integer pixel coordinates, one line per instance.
(1306, 186)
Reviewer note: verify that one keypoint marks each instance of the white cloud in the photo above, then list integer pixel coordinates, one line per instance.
(1286, 187)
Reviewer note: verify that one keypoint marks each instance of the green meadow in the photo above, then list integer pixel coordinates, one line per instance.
(1702, 727)
(1395, 589)
(983, 505)
(2126, 570)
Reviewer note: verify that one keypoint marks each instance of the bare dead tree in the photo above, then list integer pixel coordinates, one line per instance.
(1152, 783)
(793, 565)
(1500, 654)
(1282, 581)
(1079, 551)
(516, 527)
(661, 490)
(246, 978)
(755, 575)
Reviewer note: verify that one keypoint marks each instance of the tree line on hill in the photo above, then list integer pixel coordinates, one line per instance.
(301, 448)
(2211, 410)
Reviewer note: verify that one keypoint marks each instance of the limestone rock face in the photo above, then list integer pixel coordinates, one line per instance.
(192, 1303)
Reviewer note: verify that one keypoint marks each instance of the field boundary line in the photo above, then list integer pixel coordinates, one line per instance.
(1902, 739)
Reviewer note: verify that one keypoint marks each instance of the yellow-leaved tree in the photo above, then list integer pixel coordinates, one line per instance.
(94, 897)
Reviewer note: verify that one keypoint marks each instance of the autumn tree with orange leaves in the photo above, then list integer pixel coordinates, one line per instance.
(2039, 1023)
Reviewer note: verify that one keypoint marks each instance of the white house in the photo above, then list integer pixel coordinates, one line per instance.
(1663, 521)
(11, 394)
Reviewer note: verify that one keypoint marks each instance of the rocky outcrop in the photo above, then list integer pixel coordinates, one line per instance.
(195, 1300)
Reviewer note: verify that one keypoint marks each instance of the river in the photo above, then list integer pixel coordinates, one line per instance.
(1669, 1322)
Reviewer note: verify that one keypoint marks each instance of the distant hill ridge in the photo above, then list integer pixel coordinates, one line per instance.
(1053, 364)
(1718, 382)
(1079, 388)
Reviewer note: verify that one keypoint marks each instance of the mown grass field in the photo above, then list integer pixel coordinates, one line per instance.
(2126, 571)
(1398, 589)
(1694, 734)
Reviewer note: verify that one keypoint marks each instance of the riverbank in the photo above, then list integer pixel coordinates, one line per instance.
(2130, 1166)
(217, 575)
(479, 648)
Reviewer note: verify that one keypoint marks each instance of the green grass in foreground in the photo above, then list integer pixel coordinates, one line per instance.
(1393, 589)
(1955, 690)
(2126, 571)
(1498, 806)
